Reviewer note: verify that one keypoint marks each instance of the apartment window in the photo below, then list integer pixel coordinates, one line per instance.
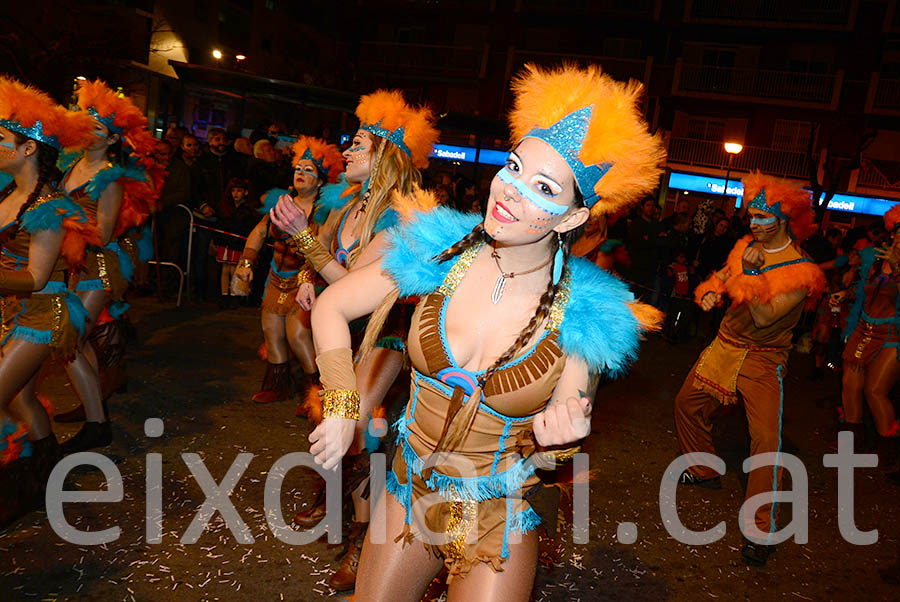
(791, 135)
(806, 66)
(719, 57)
(270, 5)
(622, 48)
(706, 129)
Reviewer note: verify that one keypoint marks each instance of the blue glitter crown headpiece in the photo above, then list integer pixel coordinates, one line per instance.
(566, 136)
(396, 136)
(107, 121)
(320, 163)
(35, 132)
(759, 202)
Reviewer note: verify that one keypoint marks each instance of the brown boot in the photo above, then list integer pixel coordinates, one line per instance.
(276, 384)
(344, 579)
(309, 518)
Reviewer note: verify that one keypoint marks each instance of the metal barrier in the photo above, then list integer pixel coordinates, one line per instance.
(183, 275)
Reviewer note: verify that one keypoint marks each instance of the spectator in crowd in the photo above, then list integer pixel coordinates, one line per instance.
(825, 247)
(242, 146)
(643, 246)
(261, 169)
(241, 217)
(679, 318)
(715, 247)
(174, 135)
(220, 164)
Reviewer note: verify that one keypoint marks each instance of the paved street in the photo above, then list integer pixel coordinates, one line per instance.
(196, 367)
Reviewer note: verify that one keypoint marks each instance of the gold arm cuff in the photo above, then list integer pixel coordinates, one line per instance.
(245, 263)
(305, 275)
(306, 244)
(550, 459)
(341, 403)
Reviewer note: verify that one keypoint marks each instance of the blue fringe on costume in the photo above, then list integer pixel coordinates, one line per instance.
(598, 325)
(50, 214)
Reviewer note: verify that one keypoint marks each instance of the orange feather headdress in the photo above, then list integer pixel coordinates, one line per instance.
(594, 123)
(783, 199)
(326, 156)
(892, 218)
(386, 114)
(32, 113)
(118, 113)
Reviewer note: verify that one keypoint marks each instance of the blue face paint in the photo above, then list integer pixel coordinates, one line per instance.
(355, 149)
(762, 221)
(543, 204)
(8, 145)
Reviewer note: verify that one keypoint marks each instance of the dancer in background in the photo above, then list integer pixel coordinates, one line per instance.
(504, 341)
(871, 357)
(285, 321)
(391, 146)
(41, 318)
(768, 278)
(116, 183)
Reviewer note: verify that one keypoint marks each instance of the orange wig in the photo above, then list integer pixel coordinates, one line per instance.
(326, 156)
(615, 135)
(892, 218)
(22, 107)
(384, 112)
(792, 201)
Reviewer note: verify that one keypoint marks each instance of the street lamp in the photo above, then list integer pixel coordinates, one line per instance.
(217, 54)
(732, 148)
(239, 57)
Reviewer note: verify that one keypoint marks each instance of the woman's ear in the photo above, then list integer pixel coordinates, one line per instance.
(572, 220)
(112, 139)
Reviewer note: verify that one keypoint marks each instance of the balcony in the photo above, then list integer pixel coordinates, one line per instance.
(878, 177)
(820, 14)
(434, 60)
(621, 8)
(708, 153)
(619, 68)
(883, 96)
(810, 90)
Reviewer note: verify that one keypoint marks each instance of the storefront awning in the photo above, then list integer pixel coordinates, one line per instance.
(246, 85)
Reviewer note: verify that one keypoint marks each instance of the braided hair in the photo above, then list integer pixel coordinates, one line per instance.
(48, 174)
(477, 235)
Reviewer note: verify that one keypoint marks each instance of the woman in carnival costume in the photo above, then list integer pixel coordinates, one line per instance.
(505, 342)
(41, 318)
(872, 354)
(285, 321)
(116, 183)
(391, 146)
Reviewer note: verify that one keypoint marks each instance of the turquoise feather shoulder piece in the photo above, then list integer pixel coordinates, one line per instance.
(413, 244)
(330, 199)
(49, 215)
(271, 199)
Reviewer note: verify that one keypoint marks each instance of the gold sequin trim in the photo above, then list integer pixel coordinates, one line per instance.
(302, 241)
(463, 517)
(340, 403)
(56, 328)
(101, 267)
(459, 269)
(558, 309)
